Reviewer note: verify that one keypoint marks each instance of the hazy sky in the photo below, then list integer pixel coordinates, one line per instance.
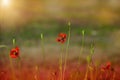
(15, 12)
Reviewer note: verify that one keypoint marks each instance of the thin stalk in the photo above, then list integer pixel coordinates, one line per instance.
(91, 53)
(12, 69)
(66, 54)
(61, 62)
(42, 45)
(91, 74)
(82, 47)
(19, 65)
(11, 64)
(88, 62)
(14, 42)
(19, 58)
(36, 73)
(86, 74)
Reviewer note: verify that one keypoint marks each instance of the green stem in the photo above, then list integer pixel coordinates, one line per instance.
(66, 55)
(14, 43)
(42, 45)
(90, 60)
(82, 47)
(91, 54)
(12, 68)
(61, 62)
(11, 64)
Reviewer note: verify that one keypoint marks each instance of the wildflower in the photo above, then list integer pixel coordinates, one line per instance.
(103, 68)
(14, 53)
(61, 37)
(106, 67)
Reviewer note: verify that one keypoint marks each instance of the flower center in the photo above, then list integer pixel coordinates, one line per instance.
(15, 53)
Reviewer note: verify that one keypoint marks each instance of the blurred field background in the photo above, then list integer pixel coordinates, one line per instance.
(25, 20)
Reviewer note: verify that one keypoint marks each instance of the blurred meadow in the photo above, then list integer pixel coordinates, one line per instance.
(25, 20)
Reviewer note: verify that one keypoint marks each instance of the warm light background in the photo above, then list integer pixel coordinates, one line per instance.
(25, 20)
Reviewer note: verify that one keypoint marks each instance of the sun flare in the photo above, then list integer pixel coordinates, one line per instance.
(5, 2)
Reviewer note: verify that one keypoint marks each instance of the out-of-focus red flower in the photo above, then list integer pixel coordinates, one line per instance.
(14, 53)
(106, 67)
(103, 68)
(61, 37)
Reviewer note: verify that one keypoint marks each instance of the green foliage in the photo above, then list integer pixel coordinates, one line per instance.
(88, 59)
(92, 49)
(32, 32)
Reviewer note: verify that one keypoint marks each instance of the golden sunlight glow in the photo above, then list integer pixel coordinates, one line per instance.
(5, 2)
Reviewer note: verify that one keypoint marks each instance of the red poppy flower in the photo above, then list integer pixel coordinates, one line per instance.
(103, 68)
(61, 37)
(106, 67)
(14, 53)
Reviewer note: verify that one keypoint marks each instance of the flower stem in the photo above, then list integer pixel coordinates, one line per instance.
(66, 55)
(82, 47)
(14, 42)
(91, 54)
(19, 65)
(12, 69)
(86, 74)
(42, 45)
(61, 63)
(11, 64)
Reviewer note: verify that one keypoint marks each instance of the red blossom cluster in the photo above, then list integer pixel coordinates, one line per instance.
(14, 53)
(61, 37)
(106, 67)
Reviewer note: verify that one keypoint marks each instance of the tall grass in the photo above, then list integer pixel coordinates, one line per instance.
(61, 62)
(91, 72)
(82, 45)
(67, 47)
(11, 64)
(90, 67)
(42, 47)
